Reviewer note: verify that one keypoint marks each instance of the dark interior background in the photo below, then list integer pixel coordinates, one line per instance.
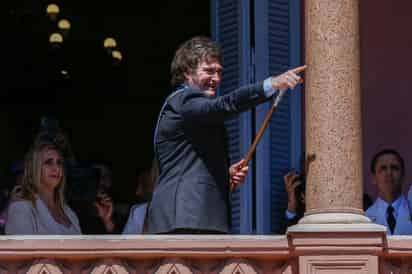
(386, 82)
(108, 110)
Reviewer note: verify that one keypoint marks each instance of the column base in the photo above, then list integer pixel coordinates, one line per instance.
(344, 243)
(336, 222)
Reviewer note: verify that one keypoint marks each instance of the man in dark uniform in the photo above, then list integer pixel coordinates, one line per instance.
(192, 192)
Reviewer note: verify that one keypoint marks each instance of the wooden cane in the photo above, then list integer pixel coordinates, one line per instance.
(260, 134)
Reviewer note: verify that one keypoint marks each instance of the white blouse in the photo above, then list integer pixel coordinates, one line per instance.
(135, 222)
(24, 219)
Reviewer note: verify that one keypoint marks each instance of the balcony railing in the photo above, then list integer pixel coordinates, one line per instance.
(362, 252)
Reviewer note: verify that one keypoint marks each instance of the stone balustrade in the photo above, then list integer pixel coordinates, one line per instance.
(314, 252)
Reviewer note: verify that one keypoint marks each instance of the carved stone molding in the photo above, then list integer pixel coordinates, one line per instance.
(345, 264)
(314, 252)
(110, 266)
(239, 267)
(20, 266)
(396, 266)
(4, 269)
(174, 267)
(209, 266)
(45, 267)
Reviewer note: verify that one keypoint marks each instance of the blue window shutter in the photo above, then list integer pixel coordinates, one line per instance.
(277, 48)
(231, 28)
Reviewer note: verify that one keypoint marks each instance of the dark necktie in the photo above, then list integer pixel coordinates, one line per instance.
(390, 218)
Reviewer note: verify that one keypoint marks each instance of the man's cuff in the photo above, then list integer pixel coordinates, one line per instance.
(290, 215)
(268, 88)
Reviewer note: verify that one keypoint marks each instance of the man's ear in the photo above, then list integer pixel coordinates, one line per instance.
(188, 76)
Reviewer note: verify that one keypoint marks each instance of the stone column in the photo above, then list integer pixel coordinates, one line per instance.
(333, 118)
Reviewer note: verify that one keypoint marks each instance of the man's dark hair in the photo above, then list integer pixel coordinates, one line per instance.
(385, 152)
(190, 54)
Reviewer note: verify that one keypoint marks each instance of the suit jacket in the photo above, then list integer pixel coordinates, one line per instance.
(192, 190)
(377, 213)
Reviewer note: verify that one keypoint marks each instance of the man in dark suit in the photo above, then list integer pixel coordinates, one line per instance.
(192, 192)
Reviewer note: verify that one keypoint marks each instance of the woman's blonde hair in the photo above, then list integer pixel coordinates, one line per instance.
(32, 174)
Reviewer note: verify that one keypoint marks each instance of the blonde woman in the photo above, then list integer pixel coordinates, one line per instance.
(42, 208)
